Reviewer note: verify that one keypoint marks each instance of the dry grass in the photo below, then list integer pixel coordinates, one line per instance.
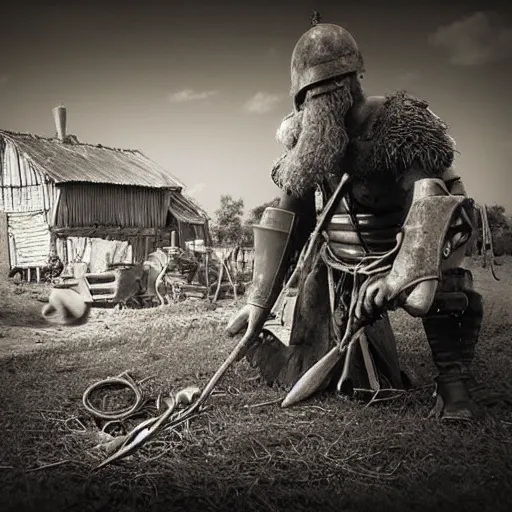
(327, 454)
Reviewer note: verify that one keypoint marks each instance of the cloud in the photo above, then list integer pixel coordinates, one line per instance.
(196, 189)
(262, 102)
(190, 95)
(409, 78)
(479, 39)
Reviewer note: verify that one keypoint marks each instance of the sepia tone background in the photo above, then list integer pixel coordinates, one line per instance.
(201, 86)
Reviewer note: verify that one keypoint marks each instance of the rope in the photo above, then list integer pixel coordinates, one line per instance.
(487, 243)
(123, 379)
(367, 265)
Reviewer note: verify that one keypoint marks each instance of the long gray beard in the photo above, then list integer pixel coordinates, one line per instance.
(316, 140)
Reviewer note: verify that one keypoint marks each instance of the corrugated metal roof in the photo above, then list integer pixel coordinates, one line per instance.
(185, 209)
(74, 161)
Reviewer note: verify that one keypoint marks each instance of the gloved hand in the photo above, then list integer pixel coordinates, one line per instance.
(249, 317)
(378, 294)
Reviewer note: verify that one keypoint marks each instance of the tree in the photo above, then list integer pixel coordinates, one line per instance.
(497, 218)
(255, 217)
(227, 228)
(501, 230)
(257, 213)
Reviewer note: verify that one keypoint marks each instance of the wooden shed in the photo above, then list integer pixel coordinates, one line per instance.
(59, 196)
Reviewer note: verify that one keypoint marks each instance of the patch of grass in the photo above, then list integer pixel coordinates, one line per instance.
(325, 454)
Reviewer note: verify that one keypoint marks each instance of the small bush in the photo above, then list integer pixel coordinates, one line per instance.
(502, 241)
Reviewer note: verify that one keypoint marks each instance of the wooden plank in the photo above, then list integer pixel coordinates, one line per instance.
(146, 248)
(101, 232)
(5, 262)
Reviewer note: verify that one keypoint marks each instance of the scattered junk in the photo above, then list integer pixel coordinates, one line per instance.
(172, 417)
(167, 409)
(168, 275)
(63, 202)
(46, 274)
(193, 272)
(111, 219)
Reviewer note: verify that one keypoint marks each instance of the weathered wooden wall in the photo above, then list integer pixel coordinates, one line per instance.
(92, 204)
(26, 199)
(22, 187)
(5, 260)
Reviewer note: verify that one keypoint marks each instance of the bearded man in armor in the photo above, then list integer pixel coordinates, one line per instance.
(393, 234)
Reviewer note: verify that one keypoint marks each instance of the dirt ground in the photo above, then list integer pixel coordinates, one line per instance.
(243, 453)
(24, 331)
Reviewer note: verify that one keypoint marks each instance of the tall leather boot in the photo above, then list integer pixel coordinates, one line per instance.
(452, 332)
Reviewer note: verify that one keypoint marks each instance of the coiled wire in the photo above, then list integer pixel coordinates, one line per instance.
(123, 379)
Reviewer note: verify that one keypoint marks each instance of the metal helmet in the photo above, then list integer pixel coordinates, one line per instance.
(323, 52)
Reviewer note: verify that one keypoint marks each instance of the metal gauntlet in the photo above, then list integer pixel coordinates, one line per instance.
(430, 235)
(272, 239)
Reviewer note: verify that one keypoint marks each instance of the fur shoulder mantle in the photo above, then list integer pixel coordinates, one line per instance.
(401, 133)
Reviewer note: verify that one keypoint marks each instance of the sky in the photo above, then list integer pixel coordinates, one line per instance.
(202, 86)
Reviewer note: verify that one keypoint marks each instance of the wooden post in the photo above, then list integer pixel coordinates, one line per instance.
(5, 258)
(181, 242)
(146, 247)
(53, 244)
(55, 207)
(207, 277)
(65, 250)
(28, 275)
(38, 274)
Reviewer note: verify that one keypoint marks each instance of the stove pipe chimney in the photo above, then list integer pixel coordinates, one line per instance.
(59, 115)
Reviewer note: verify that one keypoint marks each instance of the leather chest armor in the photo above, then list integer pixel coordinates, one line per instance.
(357, 230)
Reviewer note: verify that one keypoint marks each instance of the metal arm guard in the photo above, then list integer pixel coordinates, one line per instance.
(271, 252)
(431, 232)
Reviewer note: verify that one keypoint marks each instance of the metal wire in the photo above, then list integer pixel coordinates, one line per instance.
(123, 379)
